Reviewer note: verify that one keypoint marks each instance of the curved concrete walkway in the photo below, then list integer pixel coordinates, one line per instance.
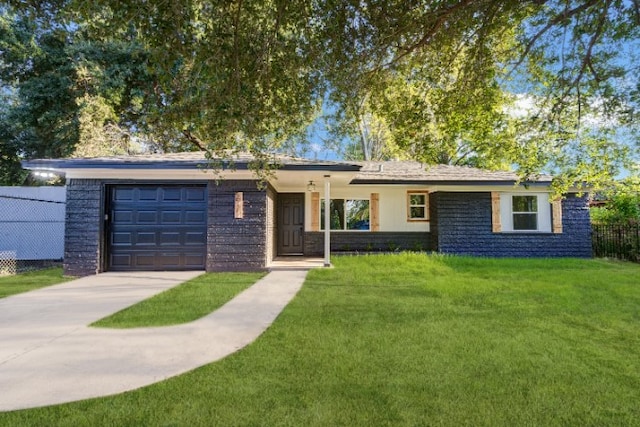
(48, 355)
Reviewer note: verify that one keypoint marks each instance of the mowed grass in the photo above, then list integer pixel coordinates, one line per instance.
(24, 282)
(184, 303)
(415, 340)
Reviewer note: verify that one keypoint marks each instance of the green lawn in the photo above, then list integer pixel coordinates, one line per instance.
(24, 282)
(184, 303)
(415, 340)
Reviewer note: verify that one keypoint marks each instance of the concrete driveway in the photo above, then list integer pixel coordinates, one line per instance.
(49, 355)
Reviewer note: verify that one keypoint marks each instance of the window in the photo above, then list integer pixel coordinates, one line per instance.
(521, 212)
(417, 206)
(346, 214)
(525, 213)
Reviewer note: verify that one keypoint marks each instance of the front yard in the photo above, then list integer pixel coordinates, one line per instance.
(24, 282)
(415, 340)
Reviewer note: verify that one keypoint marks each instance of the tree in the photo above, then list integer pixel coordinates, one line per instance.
(249, 74)
(68, 96)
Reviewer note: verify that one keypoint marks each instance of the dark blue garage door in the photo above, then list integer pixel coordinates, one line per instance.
(157, 227)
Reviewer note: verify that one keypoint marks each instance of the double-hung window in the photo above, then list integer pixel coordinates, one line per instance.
(417, 206)
(525, 213)
(521, 212)
(347, 214)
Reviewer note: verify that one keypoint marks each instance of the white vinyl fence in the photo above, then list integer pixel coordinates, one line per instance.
(31, 227)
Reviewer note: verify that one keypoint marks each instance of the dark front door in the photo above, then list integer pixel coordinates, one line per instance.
(152, 227)
(291, 224)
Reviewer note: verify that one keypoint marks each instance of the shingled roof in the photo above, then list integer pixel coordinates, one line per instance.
(388, 172)
(184, 160)
(410, 172)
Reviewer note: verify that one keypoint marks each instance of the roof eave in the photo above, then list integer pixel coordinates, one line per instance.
(359, 181)
(63, 164)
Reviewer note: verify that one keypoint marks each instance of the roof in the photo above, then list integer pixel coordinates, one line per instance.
(410, 172)
(184, 160)
(387, 172)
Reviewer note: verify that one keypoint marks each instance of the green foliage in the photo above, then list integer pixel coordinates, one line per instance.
(407, 340)
(620, 208)
(30, 281)
(184, 303)
(622, 203)
(69, 96)
(435, 81)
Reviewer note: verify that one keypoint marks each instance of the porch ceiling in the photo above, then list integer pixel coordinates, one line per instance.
(297, 181)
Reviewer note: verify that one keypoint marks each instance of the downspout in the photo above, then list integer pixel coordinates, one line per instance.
(327, 221)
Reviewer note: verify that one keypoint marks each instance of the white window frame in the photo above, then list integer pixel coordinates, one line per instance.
(425, 205)
(543, 214)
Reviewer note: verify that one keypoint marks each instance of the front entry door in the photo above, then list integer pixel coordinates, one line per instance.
(291, 224)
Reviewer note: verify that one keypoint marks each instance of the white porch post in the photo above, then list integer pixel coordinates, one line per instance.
(327, 221)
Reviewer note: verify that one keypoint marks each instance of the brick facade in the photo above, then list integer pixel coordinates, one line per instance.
(346, 241)
(461, 224)
(236, 244)
(83, 243)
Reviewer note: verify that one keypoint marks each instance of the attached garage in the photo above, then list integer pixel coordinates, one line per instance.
(151, 227)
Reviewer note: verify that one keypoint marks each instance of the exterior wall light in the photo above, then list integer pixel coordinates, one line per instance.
(311, 186)
(44, 175)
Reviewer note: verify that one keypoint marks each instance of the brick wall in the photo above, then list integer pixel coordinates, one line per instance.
(461, 224)
(366, 242)
(83, 231)
(236, 244)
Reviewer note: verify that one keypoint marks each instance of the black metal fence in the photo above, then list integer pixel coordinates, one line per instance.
(620, 241)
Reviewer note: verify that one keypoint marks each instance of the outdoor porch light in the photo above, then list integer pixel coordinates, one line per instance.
(311, 186)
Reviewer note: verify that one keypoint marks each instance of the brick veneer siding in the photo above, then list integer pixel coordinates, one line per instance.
(366, 242)
(83, 230)
(461, 224)
(236, 244)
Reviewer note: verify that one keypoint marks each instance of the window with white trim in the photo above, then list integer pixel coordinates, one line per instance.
(347, 214)
(525, 212)
(417, 206)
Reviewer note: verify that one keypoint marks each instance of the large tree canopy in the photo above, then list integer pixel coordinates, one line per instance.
(67, 96)
(543, 85)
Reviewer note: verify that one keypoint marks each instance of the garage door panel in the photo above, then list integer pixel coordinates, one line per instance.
(144, 260)
(172, 194)
(123, 194)
(123, 216)
(195, 217)
(145, 239)
(120, 260)
(148, 220)
(146, 217)
(194, 259)
(195, 238)
(147, 194)
(171, 217)
(195, 195)
(168, 238)
(122, 238)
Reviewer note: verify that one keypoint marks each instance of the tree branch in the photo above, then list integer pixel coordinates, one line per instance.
(566, 14)
(194, 140)
(426, 38)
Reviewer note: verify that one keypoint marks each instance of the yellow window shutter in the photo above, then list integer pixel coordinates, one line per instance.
(557, 215)
(315, 211)
(375, 212)
(495, 212)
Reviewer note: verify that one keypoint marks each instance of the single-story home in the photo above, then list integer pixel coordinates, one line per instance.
(173, 212)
